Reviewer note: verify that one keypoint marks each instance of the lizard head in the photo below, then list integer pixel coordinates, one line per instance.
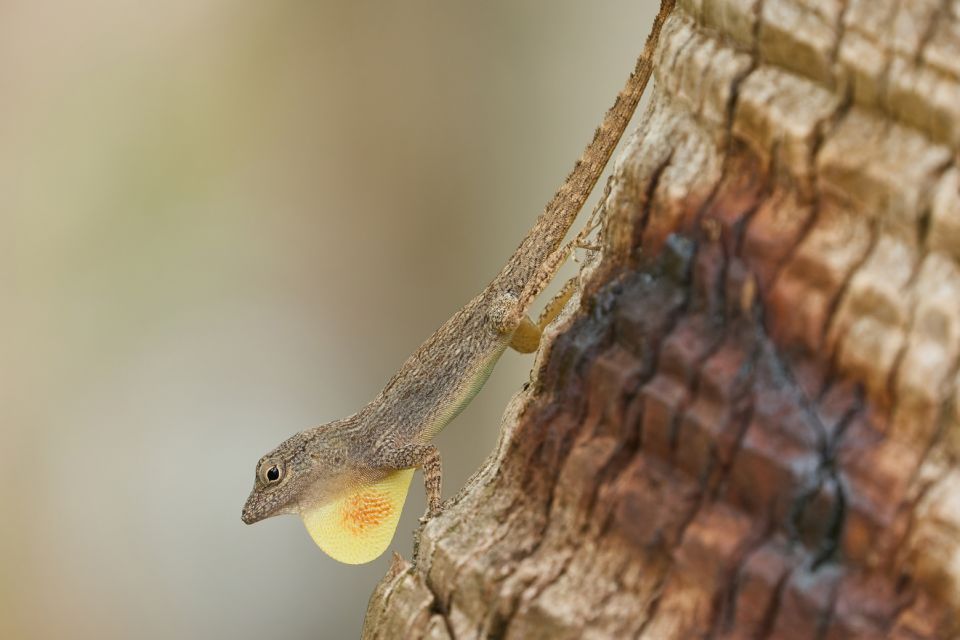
(306, 469)
(349, 510)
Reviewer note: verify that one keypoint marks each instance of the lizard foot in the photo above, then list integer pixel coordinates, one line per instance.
(433, 511)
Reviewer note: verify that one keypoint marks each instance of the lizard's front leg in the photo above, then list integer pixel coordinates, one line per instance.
(427, 458)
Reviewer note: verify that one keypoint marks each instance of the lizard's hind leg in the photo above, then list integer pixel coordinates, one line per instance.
(526, 338)
(556, 305)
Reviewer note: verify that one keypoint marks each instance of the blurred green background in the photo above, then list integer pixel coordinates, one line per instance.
(224, 222)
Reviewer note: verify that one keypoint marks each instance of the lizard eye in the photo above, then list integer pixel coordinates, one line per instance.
(271, 472)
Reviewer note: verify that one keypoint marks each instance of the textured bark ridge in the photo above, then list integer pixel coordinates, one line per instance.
(749, 428)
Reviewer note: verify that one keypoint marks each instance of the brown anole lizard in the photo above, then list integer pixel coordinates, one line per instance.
(348, 479)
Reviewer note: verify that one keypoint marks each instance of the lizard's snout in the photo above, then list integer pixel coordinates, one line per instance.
(249, 515)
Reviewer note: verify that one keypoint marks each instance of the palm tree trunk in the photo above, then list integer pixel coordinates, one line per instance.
(747, 427)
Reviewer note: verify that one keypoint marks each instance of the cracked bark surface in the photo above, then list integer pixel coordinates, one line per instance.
(748, 425)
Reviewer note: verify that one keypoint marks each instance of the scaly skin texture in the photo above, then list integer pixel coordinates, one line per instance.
(333, 461)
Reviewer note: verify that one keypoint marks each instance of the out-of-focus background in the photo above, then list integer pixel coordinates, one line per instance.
(223, 222)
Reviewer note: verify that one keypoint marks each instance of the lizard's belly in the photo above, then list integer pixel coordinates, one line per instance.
(461, 397)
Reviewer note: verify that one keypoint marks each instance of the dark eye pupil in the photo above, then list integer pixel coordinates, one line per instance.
(273, 473)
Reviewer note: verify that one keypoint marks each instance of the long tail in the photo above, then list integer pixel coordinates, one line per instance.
(531, 268)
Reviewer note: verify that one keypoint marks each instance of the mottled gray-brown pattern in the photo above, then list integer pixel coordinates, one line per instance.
(751, 427)
(434, 384)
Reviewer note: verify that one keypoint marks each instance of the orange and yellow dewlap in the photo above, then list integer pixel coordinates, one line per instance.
(359, 526)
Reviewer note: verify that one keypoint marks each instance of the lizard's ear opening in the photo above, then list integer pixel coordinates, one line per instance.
(358, 527)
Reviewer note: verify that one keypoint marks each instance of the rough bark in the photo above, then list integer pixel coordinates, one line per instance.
(747, 427)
